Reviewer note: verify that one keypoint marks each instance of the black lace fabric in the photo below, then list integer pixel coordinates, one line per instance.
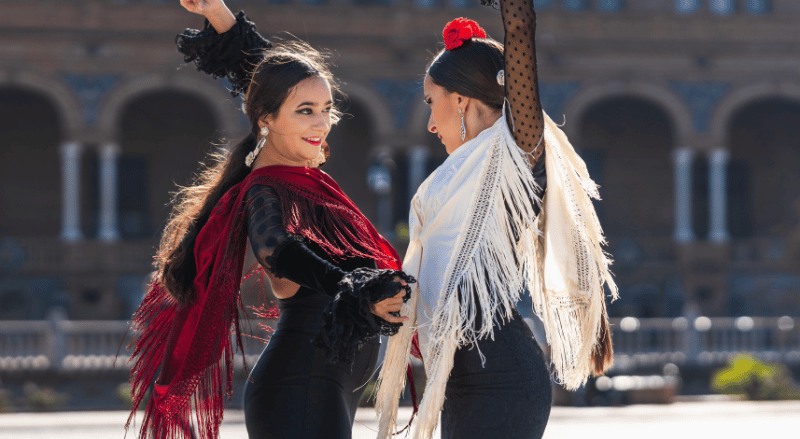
(348, 319)
(348, 322)
(233, 54)
(284, 255)
(521, 77)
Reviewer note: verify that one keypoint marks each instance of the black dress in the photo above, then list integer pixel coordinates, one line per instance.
(509, 394)
(293, 390)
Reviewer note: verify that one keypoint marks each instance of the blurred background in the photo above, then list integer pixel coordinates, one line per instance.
(687, 113)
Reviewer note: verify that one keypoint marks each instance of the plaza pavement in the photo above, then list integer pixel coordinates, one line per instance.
(682, 420)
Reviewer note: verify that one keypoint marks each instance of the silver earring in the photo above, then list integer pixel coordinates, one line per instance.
(463, 125)
(259, 146)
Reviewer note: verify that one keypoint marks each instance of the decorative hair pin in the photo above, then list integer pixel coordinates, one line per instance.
(501, 77)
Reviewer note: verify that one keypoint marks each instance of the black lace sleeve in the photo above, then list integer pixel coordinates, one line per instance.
(232, 54)
(521, 77)
(348, 320)
(285, 255)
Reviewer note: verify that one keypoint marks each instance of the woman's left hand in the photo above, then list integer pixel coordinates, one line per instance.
(389, 309)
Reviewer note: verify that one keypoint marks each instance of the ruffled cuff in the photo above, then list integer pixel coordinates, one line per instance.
(232, 54)
(348, 320)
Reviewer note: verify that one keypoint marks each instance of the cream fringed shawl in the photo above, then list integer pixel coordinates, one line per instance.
(476, 245)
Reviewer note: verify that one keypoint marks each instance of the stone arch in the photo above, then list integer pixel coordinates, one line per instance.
(68, 106)
(380, 113)
(353, 143)
(162, 132)
(672, 104)
(741, 97)
(763, 191)
(627, 141)
(32, 124)
(226, 108)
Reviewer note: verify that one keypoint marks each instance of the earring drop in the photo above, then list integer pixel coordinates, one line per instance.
(251, 157)
(463, 125)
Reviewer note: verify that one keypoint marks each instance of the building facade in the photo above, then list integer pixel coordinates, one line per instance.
(687, 113)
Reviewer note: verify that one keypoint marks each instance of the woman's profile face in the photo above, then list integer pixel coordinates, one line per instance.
(445, 121)
(299, 129)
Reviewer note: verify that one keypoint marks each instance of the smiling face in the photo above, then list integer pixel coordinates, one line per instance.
(298, 130)
(445, 121)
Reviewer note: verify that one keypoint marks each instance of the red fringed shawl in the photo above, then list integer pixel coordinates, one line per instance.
(193, 345)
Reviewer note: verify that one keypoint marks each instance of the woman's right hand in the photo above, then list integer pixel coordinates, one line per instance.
(202, 7)
(389, 309)
(215, 11)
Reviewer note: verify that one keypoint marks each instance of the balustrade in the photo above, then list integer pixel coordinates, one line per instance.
(102, 345)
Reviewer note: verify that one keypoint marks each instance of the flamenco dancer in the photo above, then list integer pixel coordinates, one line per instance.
(485, 373)
(337, 280)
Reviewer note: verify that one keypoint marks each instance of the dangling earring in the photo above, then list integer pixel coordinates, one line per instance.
(463, 126)
(259, 146)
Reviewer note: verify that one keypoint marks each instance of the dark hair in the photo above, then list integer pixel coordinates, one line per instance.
(273, 79)
(471, 71)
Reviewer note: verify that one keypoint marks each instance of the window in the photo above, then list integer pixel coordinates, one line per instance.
(687, 6)
(758, 6)
(610, 5)
(576, 5)
(722, 7)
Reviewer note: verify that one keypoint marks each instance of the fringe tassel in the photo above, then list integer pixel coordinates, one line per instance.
(570, 295)
(153, 319)
(171, 415)
(392, 380)
(334, 228)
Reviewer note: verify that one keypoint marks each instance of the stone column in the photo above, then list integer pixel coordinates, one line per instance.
(683, 160)
(71, 191)
(718, 195)
(417, 168)
(108, 192)
(379, 180)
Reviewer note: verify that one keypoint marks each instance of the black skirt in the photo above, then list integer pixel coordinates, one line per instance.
(508, 396)
(293, 392)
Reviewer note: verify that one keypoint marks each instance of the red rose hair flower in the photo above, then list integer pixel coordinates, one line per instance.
(460, 30)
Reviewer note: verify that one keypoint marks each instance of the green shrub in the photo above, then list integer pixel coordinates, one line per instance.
(746, 375)
(6, 403)
(123, 393)
(43, 398)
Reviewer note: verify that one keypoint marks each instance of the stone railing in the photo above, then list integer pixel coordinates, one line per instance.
(65, 345)
(704, 340)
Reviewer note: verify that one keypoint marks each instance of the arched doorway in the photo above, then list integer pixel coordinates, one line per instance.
(352, 141)
(163, 134)
(627, 144)
(30, 163)
(764, 176)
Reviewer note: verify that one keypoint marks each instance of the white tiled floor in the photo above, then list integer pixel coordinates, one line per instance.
(685, 420)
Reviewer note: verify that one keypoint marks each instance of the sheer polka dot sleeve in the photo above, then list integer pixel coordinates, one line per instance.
(521, 79)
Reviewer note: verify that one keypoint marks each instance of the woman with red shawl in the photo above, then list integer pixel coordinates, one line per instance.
(337, 280)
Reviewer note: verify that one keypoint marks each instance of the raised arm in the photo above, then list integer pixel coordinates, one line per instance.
(521, 77)
(227, 46)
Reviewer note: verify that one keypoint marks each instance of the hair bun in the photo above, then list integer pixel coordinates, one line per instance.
(461, 30)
